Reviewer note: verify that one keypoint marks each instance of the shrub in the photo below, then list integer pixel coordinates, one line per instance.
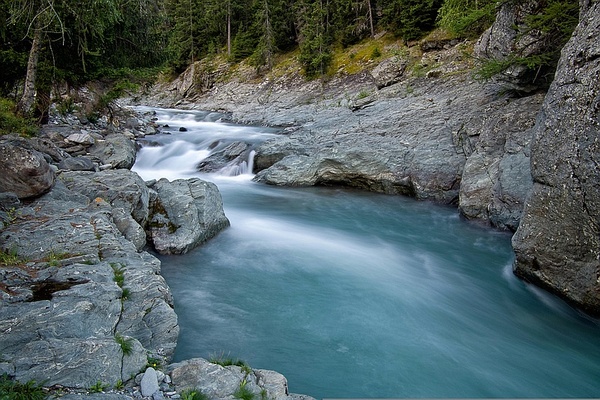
(14, 390)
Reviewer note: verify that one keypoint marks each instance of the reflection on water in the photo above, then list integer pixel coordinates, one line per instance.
(352, 294)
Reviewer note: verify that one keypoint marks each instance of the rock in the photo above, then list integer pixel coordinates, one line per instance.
(184, 213)
(61, 312)
(8, 201)
(219, 382)
(149, 383)
(121, 188)
(115, 150)
(389, 71)
(24, 172)
(509, 36)
(496, 177)
(77, 164)
(129, 227)
(84, 139)
(557, 245)
(233, 154)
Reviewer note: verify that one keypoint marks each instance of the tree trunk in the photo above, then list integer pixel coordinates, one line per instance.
(371, 19)
(25, 105)
(229, 28)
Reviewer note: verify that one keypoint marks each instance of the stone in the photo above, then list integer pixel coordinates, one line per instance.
(116, 150)
(76, 164)
(557, 245)
(59, 321)
(389, 71)
(83, 138)
(149, 383)
(184, 213)
(25, 172)
(219, 382)
(121, 188)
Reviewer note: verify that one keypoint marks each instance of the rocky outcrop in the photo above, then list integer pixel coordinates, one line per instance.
(557, 245)
(220, 383)
(185, 213)
(510, 38)
(81, 303)
(65, 318)
(497, 179)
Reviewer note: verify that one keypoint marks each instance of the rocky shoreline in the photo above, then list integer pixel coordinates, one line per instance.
(84, 307)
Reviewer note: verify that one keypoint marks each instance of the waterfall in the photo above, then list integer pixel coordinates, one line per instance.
(194, 143)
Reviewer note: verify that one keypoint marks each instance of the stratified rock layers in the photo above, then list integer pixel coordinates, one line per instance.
(557, 244)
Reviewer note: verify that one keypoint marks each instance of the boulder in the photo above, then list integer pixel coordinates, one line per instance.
(25, 172)
(234, 153)
(184, 213)
(121, 188)
(76, 164)
(557, 245)
(219, 382)
(389, 71)
(115, 150)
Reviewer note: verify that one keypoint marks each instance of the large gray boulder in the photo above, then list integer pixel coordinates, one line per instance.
(115, 150)
(25, 172)
(557, 245)
(121, 188)
(219, 382)
(184, 213)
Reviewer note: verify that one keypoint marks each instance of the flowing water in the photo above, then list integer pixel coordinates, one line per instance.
(353, 294)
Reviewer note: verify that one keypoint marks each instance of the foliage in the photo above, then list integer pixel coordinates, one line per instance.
(553, 24)
(243, 393)
(15, 390)
(125, 343)
(190, 394)
(10, 258)
(467, 18)
(98, 387)
(410, 19)
(225, 361)
(154, 362)
(12, 123)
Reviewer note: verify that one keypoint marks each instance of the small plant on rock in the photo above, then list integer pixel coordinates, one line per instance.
(190, 394)
(125, 343)
(14, 390)
(243, 393)
(98, 387)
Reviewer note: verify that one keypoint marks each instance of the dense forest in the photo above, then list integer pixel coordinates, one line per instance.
(47, 41)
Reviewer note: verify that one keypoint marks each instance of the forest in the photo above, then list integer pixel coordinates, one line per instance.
(43, 42)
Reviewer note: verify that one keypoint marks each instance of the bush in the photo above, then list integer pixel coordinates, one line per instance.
(14, 390)
(11, 123)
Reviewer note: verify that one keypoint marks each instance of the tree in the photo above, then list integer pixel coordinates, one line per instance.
(467, 18)
(47, 21)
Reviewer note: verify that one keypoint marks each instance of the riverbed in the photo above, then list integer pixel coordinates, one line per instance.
(354, 294)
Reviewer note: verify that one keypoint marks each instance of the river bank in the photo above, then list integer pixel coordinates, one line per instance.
(84, 307)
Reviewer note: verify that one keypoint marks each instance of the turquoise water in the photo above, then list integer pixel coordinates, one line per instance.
(352, 294)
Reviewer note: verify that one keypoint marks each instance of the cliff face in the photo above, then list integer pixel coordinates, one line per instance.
(558, 244)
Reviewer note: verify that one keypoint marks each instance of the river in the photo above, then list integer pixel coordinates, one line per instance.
(354, 294)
